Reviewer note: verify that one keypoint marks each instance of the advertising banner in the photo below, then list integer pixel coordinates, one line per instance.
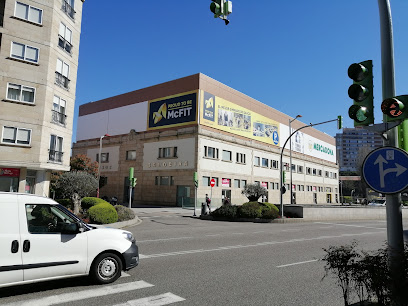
(13, 172)
(172, 111)
(229, 117)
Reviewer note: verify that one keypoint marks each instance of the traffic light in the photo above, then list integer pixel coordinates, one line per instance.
(361, 91)
(196, 179)
(217, 7)
(133, 182)
(339, 122)
(395, 108)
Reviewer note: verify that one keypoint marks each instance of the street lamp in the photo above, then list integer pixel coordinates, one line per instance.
(290, 158)
(99, 161)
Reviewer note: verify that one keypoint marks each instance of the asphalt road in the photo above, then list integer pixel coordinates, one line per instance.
(187, 261)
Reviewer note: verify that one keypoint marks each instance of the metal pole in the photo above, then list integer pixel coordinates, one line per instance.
(99, 164)
(130, 195)
(290, 158)
(393, 209)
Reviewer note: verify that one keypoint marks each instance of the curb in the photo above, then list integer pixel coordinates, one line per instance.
(123, 224)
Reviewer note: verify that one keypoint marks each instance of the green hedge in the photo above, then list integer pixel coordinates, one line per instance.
(103, 213)
(124, 213)
(88, 202)
(67, 203)
(250, 210)
(225, 212)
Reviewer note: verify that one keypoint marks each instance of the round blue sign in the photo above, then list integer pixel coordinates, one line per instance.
(385, 170)
(275, 137)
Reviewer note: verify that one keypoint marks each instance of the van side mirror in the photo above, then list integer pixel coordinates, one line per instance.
(70, 228)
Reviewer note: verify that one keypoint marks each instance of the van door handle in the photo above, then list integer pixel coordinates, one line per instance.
(14, 246)
(26, 246)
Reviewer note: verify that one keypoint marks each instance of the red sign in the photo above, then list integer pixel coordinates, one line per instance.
(10, 172)
(226, 182)
(212, 183)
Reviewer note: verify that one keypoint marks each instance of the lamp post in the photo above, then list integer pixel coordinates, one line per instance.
(290, 158)
(99, 161)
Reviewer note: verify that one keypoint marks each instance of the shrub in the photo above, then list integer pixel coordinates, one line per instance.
(88, 202)
(226, 211)
(269, 211)
(124, 213)
(103, 213)
(250, 210)
(67, 203)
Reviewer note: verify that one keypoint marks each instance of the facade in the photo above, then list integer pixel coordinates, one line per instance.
(169, 131)
(350, 142)
(39, 46)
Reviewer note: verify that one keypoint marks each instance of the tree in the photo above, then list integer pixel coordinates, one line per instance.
(254, 191)
(81, 162)
(76, 185)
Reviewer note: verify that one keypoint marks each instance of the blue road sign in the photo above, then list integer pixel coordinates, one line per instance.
(385, 170)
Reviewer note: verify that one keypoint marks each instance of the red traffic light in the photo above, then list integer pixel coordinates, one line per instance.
(392, 107)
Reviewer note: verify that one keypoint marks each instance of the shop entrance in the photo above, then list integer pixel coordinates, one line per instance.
(226, 193)
(184, 197)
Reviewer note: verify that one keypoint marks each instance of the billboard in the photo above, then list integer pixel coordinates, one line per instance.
(229, 117)
(172, 111)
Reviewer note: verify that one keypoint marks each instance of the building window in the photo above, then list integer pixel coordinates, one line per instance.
(58, 112)
(62, 73)
(164, 180)
(293, 168)
(226, 155)
(257, 161)
(216, 181)
(265, 162)
(237, 183)
(241, 158)
(68, 8)
(210, 152)
(243, 183)
(55, 152)
(20, 93)
(131, 155)
(65, 38)
(168, 152)
(308, 171)
(206, 181)
(274, 164)
(319, 172)
(28, 12)
(14, 135)
(24, 52)
(104, 157)
(299, 169)
(314, 171)
(326, 174)
(286, 166)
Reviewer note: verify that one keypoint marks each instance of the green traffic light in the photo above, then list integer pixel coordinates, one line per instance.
(358, 113)
(215, 7)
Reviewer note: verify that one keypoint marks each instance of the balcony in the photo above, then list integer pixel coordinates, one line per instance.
(55, 156)
(58, 117)
(61, 80)
(68, 9)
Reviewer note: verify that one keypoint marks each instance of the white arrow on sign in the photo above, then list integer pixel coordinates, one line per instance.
(381, 161)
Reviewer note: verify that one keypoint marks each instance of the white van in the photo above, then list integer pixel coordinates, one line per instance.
(42, 240)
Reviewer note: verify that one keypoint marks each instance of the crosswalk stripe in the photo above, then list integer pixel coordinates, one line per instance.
(157, 300)
(84, 294)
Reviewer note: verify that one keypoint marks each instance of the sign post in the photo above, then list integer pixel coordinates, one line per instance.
(212, 184)
(196, 187)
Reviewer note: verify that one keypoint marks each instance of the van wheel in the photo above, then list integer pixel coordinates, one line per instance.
(106, 268)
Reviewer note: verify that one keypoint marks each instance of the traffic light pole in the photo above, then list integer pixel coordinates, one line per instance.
(281, 160)
(393, 208)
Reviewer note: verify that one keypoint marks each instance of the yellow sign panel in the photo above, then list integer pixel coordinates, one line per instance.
(229, 117)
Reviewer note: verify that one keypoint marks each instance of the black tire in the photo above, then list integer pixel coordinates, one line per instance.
(106, 268)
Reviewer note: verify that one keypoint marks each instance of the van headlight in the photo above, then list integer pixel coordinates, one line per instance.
(129, 236)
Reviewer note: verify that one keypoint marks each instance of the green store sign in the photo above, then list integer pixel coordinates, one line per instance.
(323, 149)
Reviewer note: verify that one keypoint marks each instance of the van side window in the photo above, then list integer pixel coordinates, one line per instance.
(43, 218)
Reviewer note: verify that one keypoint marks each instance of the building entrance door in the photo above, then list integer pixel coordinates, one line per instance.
(226, 193)
(184, 197)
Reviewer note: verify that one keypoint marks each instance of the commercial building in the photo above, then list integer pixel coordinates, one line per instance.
(352, 141)
(39, 46)
(169, 131)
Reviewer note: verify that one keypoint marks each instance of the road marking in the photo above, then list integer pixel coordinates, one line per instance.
(251, 245)
(213, 235)
(84, 294)
(157, 300)
(351, 225)
(164, 239)
(297, 263)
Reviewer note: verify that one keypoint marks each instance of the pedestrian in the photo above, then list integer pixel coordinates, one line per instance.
(226, 201)
(208, 202)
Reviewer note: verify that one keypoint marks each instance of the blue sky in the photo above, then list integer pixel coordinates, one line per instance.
(292, 55)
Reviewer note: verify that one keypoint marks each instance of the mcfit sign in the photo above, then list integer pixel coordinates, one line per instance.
(173, 111)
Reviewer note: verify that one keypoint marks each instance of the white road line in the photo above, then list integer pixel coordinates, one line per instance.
(251, 245)
(297, 263)
(164, 239)
(84, 294)
(351, 225)
(157, 300)
(213, 235)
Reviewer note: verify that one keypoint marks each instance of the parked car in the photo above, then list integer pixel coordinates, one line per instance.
(377, 203)
(42, 240)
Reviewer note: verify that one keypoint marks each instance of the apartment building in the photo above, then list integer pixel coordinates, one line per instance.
(170, 131)
(39, 47)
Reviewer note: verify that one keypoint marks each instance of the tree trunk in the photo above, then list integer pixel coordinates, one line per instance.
(76, 199)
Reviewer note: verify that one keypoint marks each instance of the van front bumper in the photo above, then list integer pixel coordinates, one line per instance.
(131, 257)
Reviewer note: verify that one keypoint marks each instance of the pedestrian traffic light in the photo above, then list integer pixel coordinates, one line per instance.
(217, 7)
(133, 182)
(339, 122)
(395, 108)
(196, 179)
(361, 91)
